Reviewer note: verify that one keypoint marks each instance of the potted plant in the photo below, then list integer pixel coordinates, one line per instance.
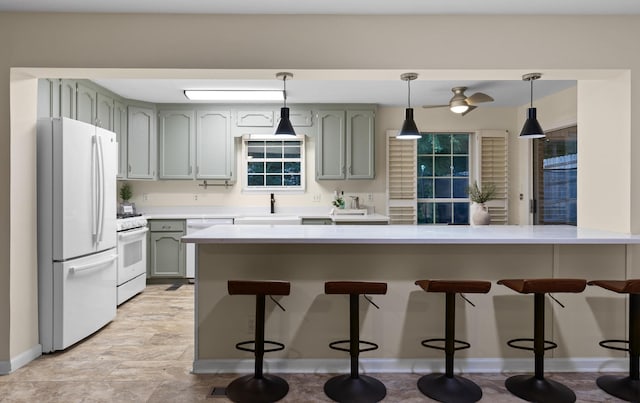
(478, 212)
(126, 194)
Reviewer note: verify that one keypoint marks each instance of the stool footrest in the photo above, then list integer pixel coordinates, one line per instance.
(242, 344)
(429, 344)
(549, 345)
(607, 344)
(335, 346)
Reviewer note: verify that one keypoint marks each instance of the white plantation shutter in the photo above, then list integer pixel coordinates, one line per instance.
(401, 180)
(491, 166)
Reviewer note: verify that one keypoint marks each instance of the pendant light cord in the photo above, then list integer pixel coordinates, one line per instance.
(284, 82)
(409, 94)
(531, 97)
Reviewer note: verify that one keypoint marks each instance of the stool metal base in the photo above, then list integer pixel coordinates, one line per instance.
(454, 389)
(248, 388)
(363, 389)
(532, 389)
(622, 387)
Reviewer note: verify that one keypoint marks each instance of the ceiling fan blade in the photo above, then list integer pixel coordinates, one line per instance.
(435, 106)
(478, 97)
(471, 107)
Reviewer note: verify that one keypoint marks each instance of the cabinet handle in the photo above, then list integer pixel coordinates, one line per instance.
(197, 170)
(343, 170)
(350, 170)
(129, 167)
(190, 169)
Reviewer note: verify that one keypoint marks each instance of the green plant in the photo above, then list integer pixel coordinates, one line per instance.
(478, 195)
(125, 192)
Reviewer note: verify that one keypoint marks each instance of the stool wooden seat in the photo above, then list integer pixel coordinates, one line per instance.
(625, 387)
(537, 388)
(354, 387)
(258, 387)
(448, 387)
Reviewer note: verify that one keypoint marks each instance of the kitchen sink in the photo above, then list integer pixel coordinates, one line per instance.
(269, 220)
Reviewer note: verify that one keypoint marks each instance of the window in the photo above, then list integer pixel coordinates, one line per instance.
(555, 177)
(442, 178)
(274, 164)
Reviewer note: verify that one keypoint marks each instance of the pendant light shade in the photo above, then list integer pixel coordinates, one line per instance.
(531, 128)
(409, 129)
(285, 128)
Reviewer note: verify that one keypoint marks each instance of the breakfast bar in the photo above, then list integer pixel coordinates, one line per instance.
(307, 256)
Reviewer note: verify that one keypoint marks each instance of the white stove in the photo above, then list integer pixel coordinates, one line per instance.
(132, 256)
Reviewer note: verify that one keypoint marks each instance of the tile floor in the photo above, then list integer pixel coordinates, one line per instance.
(146, 353)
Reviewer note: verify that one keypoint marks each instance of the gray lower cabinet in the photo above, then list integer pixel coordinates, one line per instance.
(141, 143)
(345, 147)
(167, 253)
(176, 138)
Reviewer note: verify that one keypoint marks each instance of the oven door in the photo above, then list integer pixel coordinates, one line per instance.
(132, 254)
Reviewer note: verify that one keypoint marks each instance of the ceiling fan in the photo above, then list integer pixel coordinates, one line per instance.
(461, 103)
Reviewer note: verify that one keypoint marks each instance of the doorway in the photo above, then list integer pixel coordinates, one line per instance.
(555, 171)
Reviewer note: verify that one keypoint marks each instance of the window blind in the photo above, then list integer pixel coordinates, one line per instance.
(401, 180)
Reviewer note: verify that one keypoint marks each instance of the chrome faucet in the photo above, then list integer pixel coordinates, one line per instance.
(273, 203)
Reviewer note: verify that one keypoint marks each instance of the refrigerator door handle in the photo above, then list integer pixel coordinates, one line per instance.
(101, 190)
(94, 189)
(76, 269)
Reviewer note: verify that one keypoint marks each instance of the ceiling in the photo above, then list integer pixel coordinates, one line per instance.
(412, 7)
(382, 92)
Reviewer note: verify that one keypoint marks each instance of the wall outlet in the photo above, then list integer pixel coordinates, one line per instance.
(145, 196)
(369, 197)
(317, 197)
(195, 197)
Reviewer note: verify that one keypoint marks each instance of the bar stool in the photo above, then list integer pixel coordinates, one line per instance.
(258, 387)
(448, 387)
(624, 387)
(354, 387)
(537, 388)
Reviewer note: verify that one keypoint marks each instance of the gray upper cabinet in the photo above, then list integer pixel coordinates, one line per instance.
(86, 104)
(176, 137)
(104, 111)
(120, 129)
(48, 98)
(68, 99)
(141, 143)
(360, 145)
(214, 145)
(345, 148)
(330, 153)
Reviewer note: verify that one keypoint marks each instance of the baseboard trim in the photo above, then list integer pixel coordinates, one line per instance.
(22, 359)
(373, 365)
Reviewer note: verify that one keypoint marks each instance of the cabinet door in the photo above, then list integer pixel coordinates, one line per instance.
(105, 112)
(86, 102)
(330, 150)
(141, 143)
(214, 145)
(68, 99)
(360, 145)
(176, 136)
(120, 129)
(167, 254)
(48, 98)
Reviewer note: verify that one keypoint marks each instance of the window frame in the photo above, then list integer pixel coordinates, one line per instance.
(270, 189)
(472, 170)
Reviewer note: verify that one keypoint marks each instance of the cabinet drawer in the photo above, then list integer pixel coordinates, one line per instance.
(166, 225)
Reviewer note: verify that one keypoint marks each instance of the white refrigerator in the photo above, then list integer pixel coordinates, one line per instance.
(76, 230)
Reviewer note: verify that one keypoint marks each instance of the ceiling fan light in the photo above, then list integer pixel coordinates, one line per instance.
(285, 128)
(531, 128)
(458, 107)
(409, 129)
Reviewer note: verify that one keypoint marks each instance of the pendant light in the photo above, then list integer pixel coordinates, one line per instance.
(409, 129)
(284, 127)
(531, 128)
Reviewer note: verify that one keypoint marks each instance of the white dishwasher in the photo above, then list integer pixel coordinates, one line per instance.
(197, 224)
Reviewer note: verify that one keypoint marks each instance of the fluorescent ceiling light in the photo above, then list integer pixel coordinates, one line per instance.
(235, 95)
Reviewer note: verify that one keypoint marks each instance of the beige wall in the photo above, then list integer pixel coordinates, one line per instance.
(501, 47)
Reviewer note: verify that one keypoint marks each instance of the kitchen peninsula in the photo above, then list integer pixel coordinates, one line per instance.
(307, 256)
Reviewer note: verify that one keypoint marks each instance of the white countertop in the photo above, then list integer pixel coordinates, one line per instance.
(407, 234)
